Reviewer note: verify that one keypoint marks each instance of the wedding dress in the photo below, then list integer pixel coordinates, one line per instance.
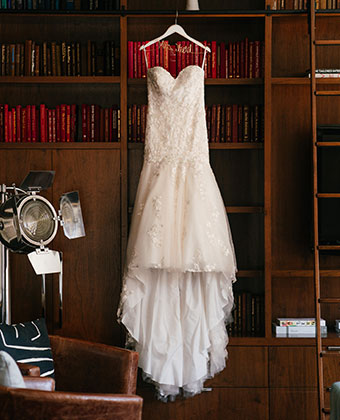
(177, 286)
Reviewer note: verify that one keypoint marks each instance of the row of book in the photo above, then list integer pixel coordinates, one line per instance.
(325, 73)
(60, 5)
(248, 315)
(31, 58)
(302, 4)
(37, 123)
(241, 59)
(225, 123)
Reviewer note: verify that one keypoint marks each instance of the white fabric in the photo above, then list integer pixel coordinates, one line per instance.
(177, 287)
(10, 374)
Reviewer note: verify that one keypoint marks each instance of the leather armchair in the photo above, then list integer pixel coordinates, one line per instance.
(93, 381)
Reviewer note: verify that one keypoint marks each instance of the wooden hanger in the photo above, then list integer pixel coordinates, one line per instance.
(178, 29)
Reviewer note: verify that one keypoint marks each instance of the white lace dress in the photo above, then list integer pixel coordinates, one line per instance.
(177, 286)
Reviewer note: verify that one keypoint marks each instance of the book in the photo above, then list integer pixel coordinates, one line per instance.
(297, 322)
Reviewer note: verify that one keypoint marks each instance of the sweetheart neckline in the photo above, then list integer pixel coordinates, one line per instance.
(175, 78)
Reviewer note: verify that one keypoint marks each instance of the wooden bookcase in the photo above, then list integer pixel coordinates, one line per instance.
(266, 188)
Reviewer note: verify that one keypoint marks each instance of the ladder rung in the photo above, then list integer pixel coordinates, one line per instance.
(328, 143)
(326, 410)
(329, 300)
(330, 353)
(328, 195)
(327, 42)
(329, 247)
(327, 92)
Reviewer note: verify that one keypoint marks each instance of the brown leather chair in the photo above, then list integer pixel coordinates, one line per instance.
(93, 381)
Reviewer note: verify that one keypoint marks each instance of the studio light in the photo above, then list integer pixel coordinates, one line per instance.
(28, 223)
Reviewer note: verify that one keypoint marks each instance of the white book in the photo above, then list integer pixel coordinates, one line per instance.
(298, 322)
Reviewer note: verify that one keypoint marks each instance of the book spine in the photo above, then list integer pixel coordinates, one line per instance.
(54, 128)
(63, 123)
(84, 122)
(29, 122)
(172, 60)
(18, 123)
(213, 60)
(57, 123)
(234, 127)
(223, 72)
(43, 123)
(34, 124)
(68, 123)
(130, 59)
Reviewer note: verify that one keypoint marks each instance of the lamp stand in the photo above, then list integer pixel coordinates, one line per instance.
(5, 292)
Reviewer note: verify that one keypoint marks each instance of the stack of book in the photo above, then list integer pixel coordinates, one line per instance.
(325, 73)
(248, 315)
(241, 59)
(302, 4)
(298, 327)
(31, 58)
(39, 123)
(225, 123)
(59, 5)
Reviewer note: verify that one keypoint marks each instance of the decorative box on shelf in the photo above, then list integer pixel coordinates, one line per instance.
(298, 327)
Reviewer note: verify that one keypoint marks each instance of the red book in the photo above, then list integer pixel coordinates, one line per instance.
(34, 124)
(54, 129)
(251, 59)
(234, 126)
(18, 123)
(139, 60)
(166, 54)
(84, 122)
(134, 123)
(49, 126)
(230, 60)
(23, 125)
(161, 54)
(237, 53)
(208, 118)
(68, 123)
(205, 68)
(218, 123)
(143, 123)
(134, 59)
(228, 123)
(223, 61)
(178, 50)
(97, 123)
(101, 125)
(63, 122)
(2, 123)
(234, 59)
(110, 124)
(57, 124)
(106, 124)
(196, 55)
(10, 127)
(183, 54)
(257, 65)
(213, 59)
(130, 60)
(148, 56)
(209, 61)
(143, 62)
(6, 123)
(73, 122)
(115, 123)
(172, 60)
(213, 123)
(226, 63)
(242, 72)
(152, 55)
(88, 110)
(92, 122)
(192, 53)
(188, 53)
(157, 54)
(14, 125)
(29, 122)
(246, 58)
(222, 118)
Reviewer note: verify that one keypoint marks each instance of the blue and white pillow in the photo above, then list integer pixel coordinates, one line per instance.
(28, 343)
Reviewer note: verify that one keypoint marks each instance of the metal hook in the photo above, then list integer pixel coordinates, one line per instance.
(176, 17)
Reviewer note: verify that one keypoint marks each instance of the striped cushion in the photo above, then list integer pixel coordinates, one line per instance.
(28, 343)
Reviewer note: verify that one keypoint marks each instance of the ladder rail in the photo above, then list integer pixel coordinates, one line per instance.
(312, 28)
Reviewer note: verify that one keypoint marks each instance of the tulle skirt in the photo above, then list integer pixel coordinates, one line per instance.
(177, 289)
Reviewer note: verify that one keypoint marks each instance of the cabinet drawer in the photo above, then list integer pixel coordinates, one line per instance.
(297, 404)
(292, 367)
(246, 367)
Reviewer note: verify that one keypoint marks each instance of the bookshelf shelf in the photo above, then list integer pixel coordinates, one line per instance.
(60, 79)
(67, 146)
(213, 146)
(210, 81)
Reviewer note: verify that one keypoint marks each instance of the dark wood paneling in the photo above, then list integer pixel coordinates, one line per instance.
(91, 264)
(292, 367)
(297, 404)
(287, 60)
(204, 4)
(292, 297)
(26, 301)
(331, 370)
(218, 404)
(246, 367)
(291, 178)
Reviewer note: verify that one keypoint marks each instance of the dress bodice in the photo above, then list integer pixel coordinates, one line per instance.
(176, 131)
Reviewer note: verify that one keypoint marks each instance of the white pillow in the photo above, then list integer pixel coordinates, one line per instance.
(10, 374)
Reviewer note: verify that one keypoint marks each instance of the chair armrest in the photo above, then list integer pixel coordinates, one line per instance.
(21, 404)
(28, 370)
(43, 384)
(83, 366)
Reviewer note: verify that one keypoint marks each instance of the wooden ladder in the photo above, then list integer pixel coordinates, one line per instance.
(330, 351)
